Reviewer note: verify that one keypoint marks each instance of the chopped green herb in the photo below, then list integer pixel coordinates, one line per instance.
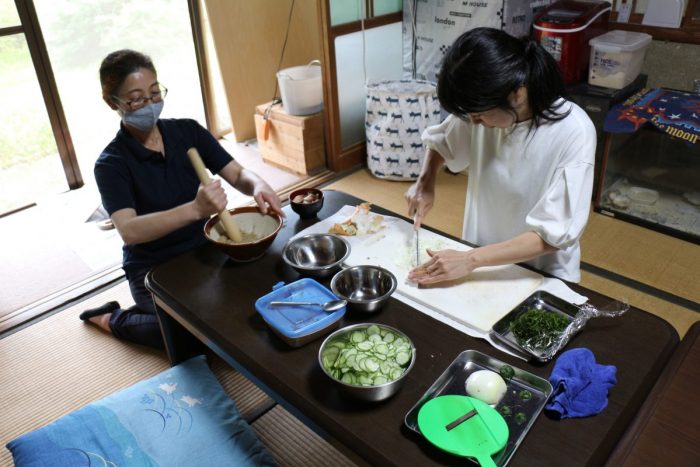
(520, 418)
(525, 395)
(506, 372)
(538, 328)
(505, 411)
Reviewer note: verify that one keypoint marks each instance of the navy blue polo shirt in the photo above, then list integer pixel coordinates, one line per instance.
(129, 175)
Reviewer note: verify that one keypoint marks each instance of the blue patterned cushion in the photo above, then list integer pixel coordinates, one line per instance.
(181, 417)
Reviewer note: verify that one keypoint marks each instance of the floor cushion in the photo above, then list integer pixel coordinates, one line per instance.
(180, 417)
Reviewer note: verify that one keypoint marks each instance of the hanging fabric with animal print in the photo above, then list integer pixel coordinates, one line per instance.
(397, 114)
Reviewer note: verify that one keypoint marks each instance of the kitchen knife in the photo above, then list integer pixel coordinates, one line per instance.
(417, 240)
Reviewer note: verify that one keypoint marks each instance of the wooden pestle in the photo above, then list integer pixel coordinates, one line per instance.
(227, 221)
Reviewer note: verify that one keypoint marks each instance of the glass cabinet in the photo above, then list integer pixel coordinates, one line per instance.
(652, 179)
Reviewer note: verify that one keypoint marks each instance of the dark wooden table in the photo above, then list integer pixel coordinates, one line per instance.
(204, 294)
(666, 431)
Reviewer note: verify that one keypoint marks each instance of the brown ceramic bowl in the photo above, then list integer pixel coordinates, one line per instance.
(306, 210)
(259, 231)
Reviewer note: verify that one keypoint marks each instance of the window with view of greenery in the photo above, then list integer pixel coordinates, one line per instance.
(78, 34)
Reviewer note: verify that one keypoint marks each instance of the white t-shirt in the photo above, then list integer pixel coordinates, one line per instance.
(523, 179)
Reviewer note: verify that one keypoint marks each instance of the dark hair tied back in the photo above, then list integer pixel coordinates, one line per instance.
(118, 65)
(530, 48)
(485, 65)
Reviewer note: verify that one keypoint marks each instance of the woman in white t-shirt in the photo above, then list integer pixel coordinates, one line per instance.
(529, 153)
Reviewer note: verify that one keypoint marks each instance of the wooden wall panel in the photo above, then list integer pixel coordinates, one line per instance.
(248, 36)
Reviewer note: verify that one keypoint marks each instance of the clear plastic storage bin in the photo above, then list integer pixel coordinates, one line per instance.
(617, 58)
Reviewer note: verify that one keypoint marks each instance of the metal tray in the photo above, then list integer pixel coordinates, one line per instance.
(542, 301)
(453, 379)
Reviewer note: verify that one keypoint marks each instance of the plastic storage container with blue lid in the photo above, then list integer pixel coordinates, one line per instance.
(299, 325)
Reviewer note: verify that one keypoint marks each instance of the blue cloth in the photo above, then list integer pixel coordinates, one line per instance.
(580, 384)
(676, 113)
(129, 175)
(181, 417)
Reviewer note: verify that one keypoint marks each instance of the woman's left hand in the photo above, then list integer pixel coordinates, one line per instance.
(267, 199)
(443, 265)
(248, 183)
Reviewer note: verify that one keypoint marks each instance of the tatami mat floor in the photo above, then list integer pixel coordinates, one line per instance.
(61, 364)
(61, 233)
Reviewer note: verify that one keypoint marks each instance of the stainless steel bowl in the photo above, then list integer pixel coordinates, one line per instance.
(368, 393)
(318, 255)
(366, 288)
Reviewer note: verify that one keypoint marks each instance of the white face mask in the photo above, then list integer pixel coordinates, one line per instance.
(144, 118)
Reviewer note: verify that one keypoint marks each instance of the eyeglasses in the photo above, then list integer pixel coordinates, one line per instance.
(141, 101)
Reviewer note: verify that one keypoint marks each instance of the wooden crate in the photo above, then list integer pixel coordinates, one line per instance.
(294, 143)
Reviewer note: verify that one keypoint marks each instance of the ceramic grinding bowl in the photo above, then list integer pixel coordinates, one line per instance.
(258, 230)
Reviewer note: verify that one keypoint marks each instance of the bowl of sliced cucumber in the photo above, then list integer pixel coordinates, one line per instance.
(367, 361)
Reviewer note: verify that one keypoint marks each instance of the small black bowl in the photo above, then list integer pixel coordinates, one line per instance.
(306, 210)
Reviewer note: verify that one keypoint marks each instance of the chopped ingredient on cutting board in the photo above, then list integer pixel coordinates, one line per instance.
(407, 260)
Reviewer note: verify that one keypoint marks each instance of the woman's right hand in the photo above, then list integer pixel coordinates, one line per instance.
(210, 199)
(420, 201)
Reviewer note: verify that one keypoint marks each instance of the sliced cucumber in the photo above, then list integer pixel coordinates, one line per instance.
(365, 345)
(357, 336)
(402, 358)
(368, 357)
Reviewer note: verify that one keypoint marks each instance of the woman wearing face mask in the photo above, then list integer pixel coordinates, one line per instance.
(151, 191)
(529, 153)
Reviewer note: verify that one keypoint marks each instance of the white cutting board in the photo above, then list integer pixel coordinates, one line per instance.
(477, 301)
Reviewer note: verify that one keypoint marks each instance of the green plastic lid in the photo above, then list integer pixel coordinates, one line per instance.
(463, 426)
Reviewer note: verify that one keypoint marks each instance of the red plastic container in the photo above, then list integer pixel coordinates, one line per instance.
(564, 29)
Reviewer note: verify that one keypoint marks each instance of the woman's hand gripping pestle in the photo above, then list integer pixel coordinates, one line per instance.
(227, 221)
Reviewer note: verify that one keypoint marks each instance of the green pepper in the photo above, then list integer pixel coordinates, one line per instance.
(506, 372)
(525, 395)
(520, 418)
(505, 411)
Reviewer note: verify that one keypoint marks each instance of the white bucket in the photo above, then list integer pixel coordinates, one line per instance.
(301, 89)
